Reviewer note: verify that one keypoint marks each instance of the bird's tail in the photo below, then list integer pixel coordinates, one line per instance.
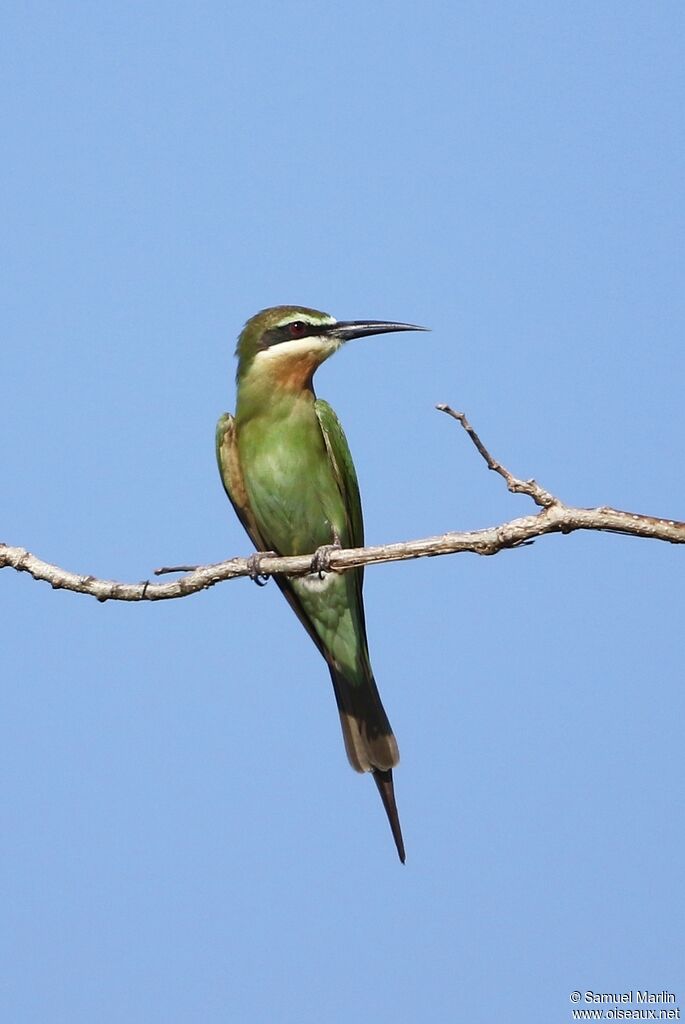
(369, 741)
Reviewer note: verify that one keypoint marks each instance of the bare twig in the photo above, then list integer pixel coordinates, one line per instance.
(539, 495)
(553, 517)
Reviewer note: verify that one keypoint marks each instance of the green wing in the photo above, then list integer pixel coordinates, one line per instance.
(344, 472)
(346, 478)
(232, 478)
(368, 735)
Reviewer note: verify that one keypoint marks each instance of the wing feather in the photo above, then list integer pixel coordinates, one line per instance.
(232, 478)
(344, 472)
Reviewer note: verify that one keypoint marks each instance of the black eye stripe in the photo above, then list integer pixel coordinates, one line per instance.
(278, 335)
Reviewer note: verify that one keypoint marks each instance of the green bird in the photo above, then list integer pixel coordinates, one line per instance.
(287, 469)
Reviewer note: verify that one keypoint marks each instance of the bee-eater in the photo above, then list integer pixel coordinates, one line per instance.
(286, 466)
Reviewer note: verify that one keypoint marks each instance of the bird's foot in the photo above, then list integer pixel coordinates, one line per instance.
(254, 564)
(321, 559)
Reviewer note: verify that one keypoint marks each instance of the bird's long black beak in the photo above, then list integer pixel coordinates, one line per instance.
(348, 329)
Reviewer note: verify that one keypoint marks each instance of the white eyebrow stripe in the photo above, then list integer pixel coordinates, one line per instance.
(313, 321)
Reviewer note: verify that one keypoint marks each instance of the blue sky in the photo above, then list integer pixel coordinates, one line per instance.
(182, 838)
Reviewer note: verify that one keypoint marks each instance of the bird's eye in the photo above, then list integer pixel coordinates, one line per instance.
(297, 329)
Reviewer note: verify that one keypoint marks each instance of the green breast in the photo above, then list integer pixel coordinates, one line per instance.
(290, 483)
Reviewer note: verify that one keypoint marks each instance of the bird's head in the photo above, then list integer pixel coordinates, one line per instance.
(285, 344)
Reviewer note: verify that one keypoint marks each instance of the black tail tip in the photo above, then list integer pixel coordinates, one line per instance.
(384, 783)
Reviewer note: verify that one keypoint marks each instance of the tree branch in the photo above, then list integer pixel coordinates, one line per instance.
(554, 517)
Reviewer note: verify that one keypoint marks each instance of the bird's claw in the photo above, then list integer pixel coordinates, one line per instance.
(254, 565)
(321, 559)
